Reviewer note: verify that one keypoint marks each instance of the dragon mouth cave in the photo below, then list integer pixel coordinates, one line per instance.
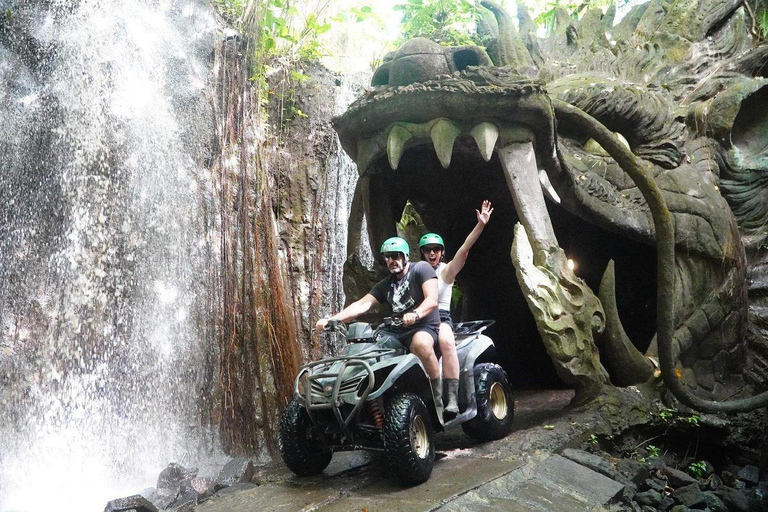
(446, 198)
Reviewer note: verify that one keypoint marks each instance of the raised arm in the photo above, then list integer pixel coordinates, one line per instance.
(457, 263)
(350, 312)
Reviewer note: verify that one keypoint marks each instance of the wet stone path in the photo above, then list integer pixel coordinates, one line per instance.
(518, 473)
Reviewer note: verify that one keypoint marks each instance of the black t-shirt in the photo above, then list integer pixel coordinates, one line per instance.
(406, 294)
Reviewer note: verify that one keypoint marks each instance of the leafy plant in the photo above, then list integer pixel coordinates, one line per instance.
(669, 415)
(653, 451)
(593, 439)
(692, 420)
(698, 469)
(446, 22)
(761, 22)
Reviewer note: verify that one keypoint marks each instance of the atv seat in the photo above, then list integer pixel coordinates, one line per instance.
(464, 330)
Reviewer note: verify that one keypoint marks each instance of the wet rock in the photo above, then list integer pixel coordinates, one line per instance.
(714, 483)
(595, 463)
(749, 474)
(162, 498)
(137, 503)
(679, 508)
(236, 471)
(758, 497)
(677, 478)
(186, 507)
(649, 498)
(236, 488)
(172, 476)
(204, 486)
(173, 487)
(692, 496)
(666, 503)
(736, 501)
(728, 478)
(654, 484)
(639, 475)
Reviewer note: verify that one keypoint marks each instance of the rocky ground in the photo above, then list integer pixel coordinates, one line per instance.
(622, 453)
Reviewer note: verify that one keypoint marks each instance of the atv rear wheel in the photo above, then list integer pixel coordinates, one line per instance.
(300, 444)
(495, 404)
(408, 439)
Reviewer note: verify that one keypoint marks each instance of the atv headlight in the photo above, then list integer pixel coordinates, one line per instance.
(301, 383)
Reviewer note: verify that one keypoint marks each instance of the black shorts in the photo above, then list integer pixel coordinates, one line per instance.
(405, 336)
(445, 318)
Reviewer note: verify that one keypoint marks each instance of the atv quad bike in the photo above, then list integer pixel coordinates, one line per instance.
(377, 397)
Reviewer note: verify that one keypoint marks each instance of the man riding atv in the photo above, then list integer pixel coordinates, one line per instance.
(411, 291)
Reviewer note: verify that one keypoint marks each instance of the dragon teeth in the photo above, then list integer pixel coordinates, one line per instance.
(443, 135)
(396, 140)
(485, 135)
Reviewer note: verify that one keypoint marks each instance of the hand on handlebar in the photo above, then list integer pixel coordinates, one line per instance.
(321, 324)
(410, 318)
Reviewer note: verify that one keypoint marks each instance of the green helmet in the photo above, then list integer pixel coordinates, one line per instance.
(395, 244)
(431, 239)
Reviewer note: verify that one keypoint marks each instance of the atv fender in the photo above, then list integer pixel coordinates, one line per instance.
(480, 350)
(406, 374)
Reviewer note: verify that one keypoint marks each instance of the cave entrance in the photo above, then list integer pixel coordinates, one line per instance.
(446, 200)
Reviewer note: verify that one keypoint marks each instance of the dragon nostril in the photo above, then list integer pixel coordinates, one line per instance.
(462, 59)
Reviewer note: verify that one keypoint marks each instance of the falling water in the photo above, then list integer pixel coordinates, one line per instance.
(341, 189)
(106, 249)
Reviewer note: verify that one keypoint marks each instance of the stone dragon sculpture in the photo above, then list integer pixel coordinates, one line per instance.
(617, 157)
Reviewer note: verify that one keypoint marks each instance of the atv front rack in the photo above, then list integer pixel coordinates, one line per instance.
(322, 401)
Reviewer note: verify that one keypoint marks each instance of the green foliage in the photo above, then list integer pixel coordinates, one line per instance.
(653, 451)
(761, 18)
(697, 469)
(284, 35)
(447, 22)
(576, 8)
(692, 420)
(232, 10)
(593, 440)
(671, 415)
(667, 414)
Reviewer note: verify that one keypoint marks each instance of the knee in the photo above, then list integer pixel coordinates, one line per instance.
(422, 346)
(447, 342)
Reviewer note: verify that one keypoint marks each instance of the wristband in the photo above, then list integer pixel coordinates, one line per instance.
(418, 316)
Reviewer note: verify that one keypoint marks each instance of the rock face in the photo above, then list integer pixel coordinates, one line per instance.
(315, 183)
(682, 92)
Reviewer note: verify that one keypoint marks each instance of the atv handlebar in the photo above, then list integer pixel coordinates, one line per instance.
(390, 321)
(336, 326)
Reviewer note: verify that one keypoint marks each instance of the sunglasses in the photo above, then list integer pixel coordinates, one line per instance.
(426, 250)
(391, 255)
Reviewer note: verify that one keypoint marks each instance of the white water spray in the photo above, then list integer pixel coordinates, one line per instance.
(105, 330)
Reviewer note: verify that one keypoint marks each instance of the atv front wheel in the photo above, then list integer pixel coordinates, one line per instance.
(300, 444)
(408, 439)
(495, 404)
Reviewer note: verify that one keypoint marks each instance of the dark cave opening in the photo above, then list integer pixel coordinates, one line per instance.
(447, 199)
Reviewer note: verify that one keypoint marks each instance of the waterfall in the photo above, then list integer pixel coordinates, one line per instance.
(341, 186)
(108, 247)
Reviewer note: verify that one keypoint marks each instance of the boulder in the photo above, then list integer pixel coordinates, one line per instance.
(677, 478)
(736, 501)
(749, 474)
(235, 471)
(137, 503)
(692, 496)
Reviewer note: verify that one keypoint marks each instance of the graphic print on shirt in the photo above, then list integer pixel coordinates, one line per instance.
(402, 300)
